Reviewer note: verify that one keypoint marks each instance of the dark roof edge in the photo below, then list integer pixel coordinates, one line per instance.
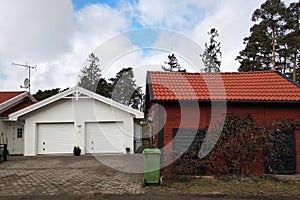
(289, 79)
(149, 83)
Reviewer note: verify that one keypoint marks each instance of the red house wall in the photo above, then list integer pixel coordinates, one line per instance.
(185, 115)
(297, 137)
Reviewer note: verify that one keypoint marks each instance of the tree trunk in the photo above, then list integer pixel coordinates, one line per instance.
(273, 50)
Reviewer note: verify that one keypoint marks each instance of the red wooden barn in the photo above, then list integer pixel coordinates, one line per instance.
(187, 101)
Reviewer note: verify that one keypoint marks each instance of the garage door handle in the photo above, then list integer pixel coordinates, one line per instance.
(92, 142)
(44, 143)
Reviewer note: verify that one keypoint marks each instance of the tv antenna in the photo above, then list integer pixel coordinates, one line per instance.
(27, 80)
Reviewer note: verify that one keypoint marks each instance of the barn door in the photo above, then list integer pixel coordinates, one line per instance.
(187, 138)
(285, 161)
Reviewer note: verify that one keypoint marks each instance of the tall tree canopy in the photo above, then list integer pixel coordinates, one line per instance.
(292, 39)
(274, 39)
(104, 88)
(41, 95)
(270, 14)
(173, 64)
(212, 53)
(121, 88)
(91, 79)
(90, 74)
(124, 89)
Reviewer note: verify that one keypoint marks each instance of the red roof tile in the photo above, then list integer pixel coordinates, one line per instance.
(247, 86)
(17, 107)
(4, 96)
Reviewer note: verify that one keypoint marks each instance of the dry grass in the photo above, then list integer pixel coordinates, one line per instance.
(254, 186)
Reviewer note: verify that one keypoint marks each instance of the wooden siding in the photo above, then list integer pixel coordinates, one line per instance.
(184, 115)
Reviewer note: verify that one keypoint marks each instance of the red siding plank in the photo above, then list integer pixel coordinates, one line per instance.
(263, 113)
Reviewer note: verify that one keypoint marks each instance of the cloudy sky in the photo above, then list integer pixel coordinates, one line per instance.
(58, 35)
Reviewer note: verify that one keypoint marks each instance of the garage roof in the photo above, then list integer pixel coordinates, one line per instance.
(76, 91)
(235, 86)
(11, 101)
(4, 96)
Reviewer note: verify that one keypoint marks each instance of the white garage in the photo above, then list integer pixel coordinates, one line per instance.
(79, 117)
(55, 138)
(105, 137)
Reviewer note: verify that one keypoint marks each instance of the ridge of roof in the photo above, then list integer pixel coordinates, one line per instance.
(268, 85)
(215, 73)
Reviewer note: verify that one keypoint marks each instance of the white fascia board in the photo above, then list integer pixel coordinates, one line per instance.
(12, 102)
(15, 100)
(137, 114)
(14, 116)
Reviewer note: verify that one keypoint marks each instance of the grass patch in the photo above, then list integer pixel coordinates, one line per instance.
(253, 186)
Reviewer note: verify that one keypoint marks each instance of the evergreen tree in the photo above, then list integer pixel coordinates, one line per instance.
(262, 46)
(292, 39)
(274, 40)
(41, 95)
(91, 74)
(212, 53)
(173, 64)
(257, 53)
(104, 88)
(270, 14)
(124, 89)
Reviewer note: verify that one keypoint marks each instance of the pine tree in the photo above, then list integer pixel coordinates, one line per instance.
(274, 40)
(257, 53)
(91, 74)
(292, 39)
(270, 15)
(41, 95)
(104, 88)
(124, 89)
(212, 53)
(173, 64)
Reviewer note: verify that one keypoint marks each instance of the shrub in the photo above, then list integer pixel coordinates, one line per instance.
(240, 143)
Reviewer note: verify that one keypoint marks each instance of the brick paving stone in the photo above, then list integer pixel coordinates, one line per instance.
(56, 175)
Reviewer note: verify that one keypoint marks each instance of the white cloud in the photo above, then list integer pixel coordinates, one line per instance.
(51, 35)
(35, 29)
(32, 31)
(232, 19)
(195, 18)
(175, 14)
(99, 22)
(57, 40)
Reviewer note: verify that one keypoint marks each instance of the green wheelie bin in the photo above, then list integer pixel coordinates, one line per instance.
(152, 166)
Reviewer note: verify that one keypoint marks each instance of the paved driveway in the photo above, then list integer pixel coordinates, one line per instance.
(57, 175)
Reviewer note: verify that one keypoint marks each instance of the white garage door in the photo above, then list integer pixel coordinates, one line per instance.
(104, 137)
(56, 138)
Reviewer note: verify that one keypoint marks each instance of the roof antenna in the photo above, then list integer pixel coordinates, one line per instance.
(27, 80)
